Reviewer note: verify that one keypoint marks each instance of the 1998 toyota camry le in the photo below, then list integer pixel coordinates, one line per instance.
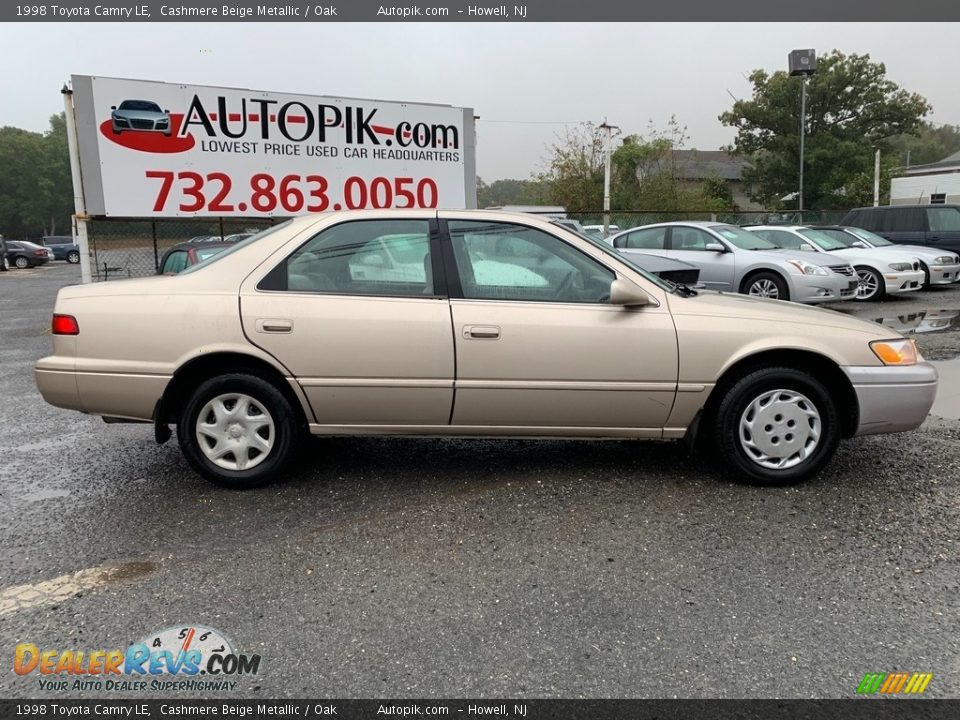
(468, 323)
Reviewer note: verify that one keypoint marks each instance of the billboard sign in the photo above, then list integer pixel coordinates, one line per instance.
(151, 149)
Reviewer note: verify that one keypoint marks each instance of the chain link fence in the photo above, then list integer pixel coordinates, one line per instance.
(135, 248)
(624, 219)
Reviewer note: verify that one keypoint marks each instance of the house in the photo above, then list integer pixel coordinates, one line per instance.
(934, 183)
(694, 167)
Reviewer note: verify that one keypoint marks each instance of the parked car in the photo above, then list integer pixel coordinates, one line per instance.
(879, 273)
(204, 238)
(63, 248)
(939, 266)
(597, 230)
(927, 225)
(236, 237)
(141, 115)
(245, 364)
(4, 263)
(22, 254)
(180, 257)
(734, 260)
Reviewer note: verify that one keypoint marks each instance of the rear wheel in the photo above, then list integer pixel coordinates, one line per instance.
(238, 431)
(871, 285)
(21, 262)
(73, 257)
(767, 285)
(776, 426)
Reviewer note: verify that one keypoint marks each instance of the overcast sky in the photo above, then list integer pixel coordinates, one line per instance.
(518, 77)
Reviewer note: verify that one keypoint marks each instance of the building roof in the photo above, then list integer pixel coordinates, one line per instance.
(948, 164)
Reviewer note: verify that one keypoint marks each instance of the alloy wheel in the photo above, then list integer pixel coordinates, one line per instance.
(869, 284)
(764, 288)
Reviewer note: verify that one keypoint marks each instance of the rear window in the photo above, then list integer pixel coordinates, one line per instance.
(243, 243)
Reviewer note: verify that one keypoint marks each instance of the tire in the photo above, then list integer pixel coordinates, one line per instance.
(264, 412)
(926, 276)
(21, 262)
(756, 448)
(768, 285)
(871, 287)
(73, 257)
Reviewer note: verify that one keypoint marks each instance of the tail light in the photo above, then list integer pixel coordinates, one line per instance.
(40, 253)
(65, 325)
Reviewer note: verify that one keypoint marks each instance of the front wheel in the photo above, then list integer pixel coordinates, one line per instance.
(238, 431)
(73, 257)
(776, 426)
(871, 285)
(21, 262)
(767, 285)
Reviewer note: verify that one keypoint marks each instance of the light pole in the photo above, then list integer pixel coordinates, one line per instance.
(802, 63)
(606, 175)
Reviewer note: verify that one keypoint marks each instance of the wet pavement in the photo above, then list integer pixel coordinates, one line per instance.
(401, 567)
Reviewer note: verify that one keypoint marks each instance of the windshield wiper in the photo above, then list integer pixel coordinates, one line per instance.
(681, 289)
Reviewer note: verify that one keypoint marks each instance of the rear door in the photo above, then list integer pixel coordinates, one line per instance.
(944, 228)
(645, 241)
(359, 314)
(717, 269)
(905, 225)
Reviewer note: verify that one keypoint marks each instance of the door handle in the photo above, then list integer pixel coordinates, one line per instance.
(481, 332)
(934, 238)
(272, 325)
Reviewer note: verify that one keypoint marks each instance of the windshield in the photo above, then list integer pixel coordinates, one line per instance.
(870, 237)
(142, 105)
(608, 250)
(822, 240)
(743, 239)
(232, 249)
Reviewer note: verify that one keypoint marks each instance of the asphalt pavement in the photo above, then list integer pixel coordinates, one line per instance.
(464, 568)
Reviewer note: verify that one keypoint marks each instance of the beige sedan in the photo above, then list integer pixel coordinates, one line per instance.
(468, 323)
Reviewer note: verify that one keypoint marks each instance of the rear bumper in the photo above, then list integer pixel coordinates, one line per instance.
(120, 395)
(893, 399)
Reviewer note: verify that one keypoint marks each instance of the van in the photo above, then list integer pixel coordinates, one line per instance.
(936, 226)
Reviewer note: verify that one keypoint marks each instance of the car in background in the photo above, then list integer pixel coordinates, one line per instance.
(63, 248)
(584, 346)
(204, 238)
(939, 266)
(236, 237)
(927, 225)
(733, 260)
(141, 115)
(879, 273)
(597, 231)
(22, 254)
(180, 257)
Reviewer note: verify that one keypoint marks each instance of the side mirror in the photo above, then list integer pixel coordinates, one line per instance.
(714, 247)
(113, 107)
(860, 244)
(167, 112)
(627, 294)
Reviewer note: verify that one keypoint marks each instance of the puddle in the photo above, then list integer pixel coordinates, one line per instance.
(45, 494)
(947, 403)
(923, 322)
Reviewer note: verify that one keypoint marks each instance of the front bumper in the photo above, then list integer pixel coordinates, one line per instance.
(811, 289)
(902, 282)
(893, 399)
(944, 274)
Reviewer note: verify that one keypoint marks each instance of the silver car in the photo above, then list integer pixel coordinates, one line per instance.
(735, 260)
(143, 115)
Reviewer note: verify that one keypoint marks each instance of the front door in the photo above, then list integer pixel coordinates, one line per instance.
(717, 269)
(538, 346)
(356, 316)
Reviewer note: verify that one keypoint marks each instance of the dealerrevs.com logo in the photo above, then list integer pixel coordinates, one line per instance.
(188, 657)
(145, 126)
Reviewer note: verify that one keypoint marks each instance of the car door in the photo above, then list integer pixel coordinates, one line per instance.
(944, 228)
(644, 241)
(540, 350)
(901, 225)
(359, 315)
(717, 269)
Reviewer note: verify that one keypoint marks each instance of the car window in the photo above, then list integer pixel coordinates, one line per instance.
(944, 219)
(648, 239)
(175, 262)
(782, 239)
(364, 257)
(238, 246)
(205, 253)
(743, 239)
(503, 261)
(690, 239)
(823, 241)
(840, 236)
(870, 237)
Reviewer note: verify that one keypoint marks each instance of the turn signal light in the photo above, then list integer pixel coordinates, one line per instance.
(65, 325)
(896, 352)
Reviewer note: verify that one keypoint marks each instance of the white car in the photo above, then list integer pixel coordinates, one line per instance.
(940, 267)
(598, 231)
(880, 272)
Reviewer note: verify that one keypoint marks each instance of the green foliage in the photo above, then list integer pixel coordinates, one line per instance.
(513, 192)
(852, 109)
(931, 144)
(575, 171)
(36, 196)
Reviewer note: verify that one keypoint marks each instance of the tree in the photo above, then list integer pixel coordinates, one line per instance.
(575, 170)
(513, 192)
(852, 109)
(35, 185)
(931, 144)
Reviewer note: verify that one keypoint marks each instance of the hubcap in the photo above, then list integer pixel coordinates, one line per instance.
(235, 431)
(868, 284)
(780, 429)
(21, 263)
(764, 288)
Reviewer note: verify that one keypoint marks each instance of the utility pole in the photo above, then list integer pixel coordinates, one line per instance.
(876, 178)
(606, 175)
(804, 64)
(803, 132)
